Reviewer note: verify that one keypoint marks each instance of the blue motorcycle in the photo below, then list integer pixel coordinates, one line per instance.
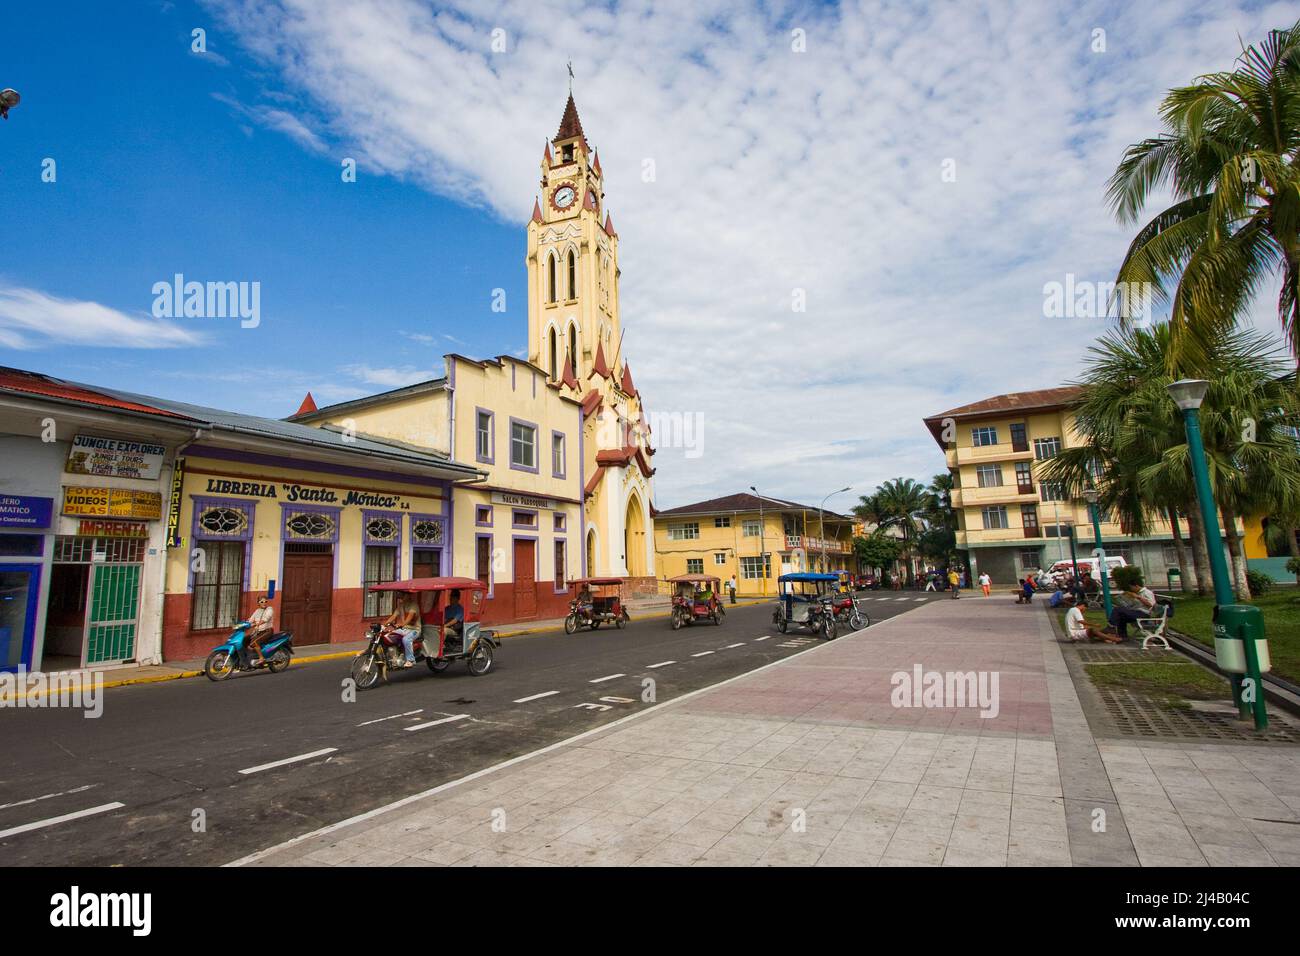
(234, 654)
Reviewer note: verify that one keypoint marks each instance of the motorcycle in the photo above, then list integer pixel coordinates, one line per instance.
(846, 611)
(384, 652)
(233, 655)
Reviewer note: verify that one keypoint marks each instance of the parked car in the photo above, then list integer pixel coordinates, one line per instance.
(1061, 569)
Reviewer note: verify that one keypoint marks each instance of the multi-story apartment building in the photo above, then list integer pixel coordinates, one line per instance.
(1010, 521)
(756, 539)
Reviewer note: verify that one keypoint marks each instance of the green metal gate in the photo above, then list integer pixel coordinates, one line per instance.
(114, 608)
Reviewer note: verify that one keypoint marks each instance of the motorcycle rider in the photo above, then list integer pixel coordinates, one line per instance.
(261, 625)
(405, 620)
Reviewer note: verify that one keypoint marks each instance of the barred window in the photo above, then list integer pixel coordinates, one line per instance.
(218, 584)
(380, 566)
(694, 565)
(751, 569)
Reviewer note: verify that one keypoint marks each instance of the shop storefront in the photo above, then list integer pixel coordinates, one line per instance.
(314, 535)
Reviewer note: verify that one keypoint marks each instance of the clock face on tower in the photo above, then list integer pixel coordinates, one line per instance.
(563, 196)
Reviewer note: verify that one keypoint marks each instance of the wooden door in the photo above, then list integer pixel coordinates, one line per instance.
(525, 579)
(308, 590)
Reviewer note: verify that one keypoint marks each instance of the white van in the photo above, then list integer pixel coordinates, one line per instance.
(1061, 569)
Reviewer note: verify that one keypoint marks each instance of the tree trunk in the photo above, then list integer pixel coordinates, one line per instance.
(1200, 556)
(1188, 576)
(1293, 547)
(1235, 555)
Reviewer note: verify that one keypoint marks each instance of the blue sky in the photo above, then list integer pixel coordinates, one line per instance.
(799, 153)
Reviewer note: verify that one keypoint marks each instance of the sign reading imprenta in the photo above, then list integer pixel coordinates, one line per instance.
(115, 457)
(112, 503)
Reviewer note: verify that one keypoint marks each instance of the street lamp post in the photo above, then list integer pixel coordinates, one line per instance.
(1188, 394)
(1103, 571)
(821, 520)
(762, 543)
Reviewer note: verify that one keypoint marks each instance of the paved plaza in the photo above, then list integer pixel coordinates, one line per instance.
(807, 762)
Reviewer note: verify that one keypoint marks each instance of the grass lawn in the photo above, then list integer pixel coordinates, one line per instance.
(1172, 682)
(1281, 609)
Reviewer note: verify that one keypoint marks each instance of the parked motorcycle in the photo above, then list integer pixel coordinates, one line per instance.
(234, 655)
(846, 611)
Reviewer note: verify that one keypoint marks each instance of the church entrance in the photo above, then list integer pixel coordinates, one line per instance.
(634, 538)
(591, 554)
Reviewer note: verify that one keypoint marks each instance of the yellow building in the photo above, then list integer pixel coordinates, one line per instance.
(727, 536)
(519, 527)
(1011, 522)
(575, 334)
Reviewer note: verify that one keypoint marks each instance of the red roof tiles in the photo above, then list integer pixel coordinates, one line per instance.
(600, 366)
(308, 405)
(33, 383)
(570, 125)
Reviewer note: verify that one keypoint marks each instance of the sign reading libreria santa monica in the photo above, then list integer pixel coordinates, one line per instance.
(261, 489)
(115, 457)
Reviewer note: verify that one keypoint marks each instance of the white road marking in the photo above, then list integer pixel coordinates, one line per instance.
(702, 654)
(905, 599)
(47, 796)
(549, 693)
(730, 646)
(513, 761)
(41, 824)
(281, 763)
(763, 638)
(660, 664)
(920, 600)
(380, 720)
(435, 723)
(605, 678)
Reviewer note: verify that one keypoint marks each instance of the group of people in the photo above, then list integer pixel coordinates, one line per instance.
(407, 620)
(1136, 602)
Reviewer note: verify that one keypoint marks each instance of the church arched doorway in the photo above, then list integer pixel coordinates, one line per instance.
(591, 553)
(634, 537)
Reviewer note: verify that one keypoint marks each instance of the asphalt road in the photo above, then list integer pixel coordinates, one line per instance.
(167, 751)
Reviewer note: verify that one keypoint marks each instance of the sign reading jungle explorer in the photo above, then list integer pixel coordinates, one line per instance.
(115, 457)
(112, 503)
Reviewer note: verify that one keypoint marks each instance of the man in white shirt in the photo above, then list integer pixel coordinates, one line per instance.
(1080, 630)
(261, 625)
(1137, 601)
(986, 582)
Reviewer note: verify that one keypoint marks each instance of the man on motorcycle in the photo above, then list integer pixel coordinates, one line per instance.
(261, 625)
(405, 620)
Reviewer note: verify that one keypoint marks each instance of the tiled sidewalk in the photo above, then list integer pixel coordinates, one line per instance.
(808, 763)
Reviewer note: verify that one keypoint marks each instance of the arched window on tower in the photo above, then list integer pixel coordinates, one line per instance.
(550, 278)
(555, 372)
(573, 348)
(573, 275)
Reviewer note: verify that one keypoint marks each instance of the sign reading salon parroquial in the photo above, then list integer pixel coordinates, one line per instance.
(22, 511)
(523, 501)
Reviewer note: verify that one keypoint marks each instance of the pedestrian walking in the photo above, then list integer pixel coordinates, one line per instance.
(986, 582)
(731, 586)
(929, 581)
(954, 581)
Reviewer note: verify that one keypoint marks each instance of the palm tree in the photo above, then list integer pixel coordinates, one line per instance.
(1136, 453)
(1228, 155)
(902, 503)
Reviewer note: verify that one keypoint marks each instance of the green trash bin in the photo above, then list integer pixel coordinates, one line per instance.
(1175, 578)
(1232, 623)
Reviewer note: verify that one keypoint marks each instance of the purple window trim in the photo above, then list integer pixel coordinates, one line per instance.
(444, 545)
(369, 542)
(564, 454)
(559, 521)
(565, 589)
(492, 578)
(515, 522)
(490, 512)
(336, 513)
(536, 469)
(491, 457)
(249, 507)
(582, 510)
(448, 553)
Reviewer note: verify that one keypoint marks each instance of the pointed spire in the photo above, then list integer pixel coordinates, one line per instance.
(537, 210)
(596, 163)
(546, 153)
(600, 366)
(308, 405)
(570, 125)
(609, 226)
(567, 377)
(626, 384)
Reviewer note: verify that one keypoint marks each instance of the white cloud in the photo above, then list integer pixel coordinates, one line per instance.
(32, 319)
(776, 171)
(391, 377)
